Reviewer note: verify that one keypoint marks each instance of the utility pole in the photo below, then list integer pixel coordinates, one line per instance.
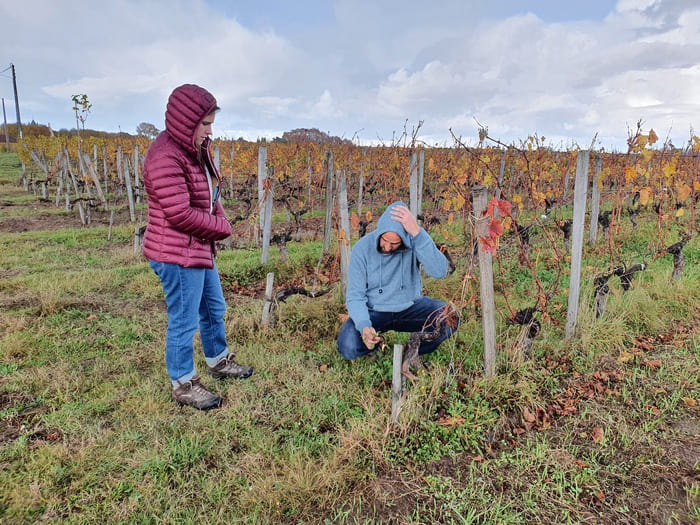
(14, 85)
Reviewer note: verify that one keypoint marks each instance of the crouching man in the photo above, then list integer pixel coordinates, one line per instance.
(385, 289)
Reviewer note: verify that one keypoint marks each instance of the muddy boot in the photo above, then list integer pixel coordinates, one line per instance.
(194, 394)
(227, 367)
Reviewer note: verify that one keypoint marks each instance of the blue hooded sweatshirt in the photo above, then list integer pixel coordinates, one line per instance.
(389, 282)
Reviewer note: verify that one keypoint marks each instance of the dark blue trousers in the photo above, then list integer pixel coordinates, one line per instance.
(412, 319)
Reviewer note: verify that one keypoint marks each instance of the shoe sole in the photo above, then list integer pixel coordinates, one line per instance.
(216, 375)
(216, 404)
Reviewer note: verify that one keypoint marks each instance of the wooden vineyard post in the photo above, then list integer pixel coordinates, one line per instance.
(137, 183)
(329, 204)
(344, 237)
(267, 218)
(129, 191)
(488, 305)
(87, 166)
(268, 306)
(396, 384)
(580, 191)
(104, 169)
(111, 223)
(413, 190)
(81, 211)
(421, 173)
(233, 158)
(217, 158)
(595, 201)
(262, 175)
(501, 174)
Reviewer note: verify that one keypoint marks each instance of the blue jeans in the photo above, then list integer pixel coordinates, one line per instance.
(194, 299)
(412, 319)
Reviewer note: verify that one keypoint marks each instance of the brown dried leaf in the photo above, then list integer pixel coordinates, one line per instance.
(689, 401)
(528, 416)
(597, 434)
(652, 363)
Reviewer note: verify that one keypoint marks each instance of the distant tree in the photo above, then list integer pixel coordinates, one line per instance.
(148, 130)
(306, 135)
(81, 106)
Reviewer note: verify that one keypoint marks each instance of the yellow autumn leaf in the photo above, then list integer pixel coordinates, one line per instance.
(689, 401)
(644, 195)
(696, 186)
(630, 173)
(647, 154)
(652, 136)
(625, 357)
(683, 192)
(680, 212)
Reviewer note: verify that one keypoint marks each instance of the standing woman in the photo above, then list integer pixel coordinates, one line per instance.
(185, 218)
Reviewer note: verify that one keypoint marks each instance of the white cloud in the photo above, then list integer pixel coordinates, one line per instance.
(375, 67)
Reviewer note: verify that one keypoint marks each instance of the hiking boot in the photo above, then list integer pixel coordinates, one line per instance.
(194, 394)
(227, 367)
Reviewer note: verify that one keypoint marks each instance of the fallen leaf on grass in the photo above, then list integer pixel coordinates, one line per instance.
(451, 421)
(528, 416)
(323, 368)
(625, 357)
(653, 409)
(479, 458)
(689, 401)
(597, 434)
(581, 464)
(652, 363)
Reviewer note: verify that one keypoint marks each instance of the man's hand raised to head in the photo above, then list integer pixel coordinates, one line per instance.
(403, 215)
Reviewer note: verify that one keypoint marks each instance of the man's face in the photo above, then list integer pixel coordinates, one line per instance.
(389, 242)
(204, 130)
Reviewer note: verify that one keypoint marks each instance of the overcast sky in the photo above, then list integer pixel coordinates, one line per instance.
(365, 69)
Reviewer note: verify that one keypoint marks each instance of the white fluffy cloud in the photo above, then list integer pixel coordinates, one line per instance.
(567, 72)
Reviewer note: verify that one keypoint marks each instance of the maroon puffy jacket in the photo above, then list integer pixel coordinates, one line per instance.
(181, 228)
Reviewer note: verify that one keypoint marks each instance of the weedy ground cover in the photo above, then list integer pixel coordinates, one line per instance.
(604, 428)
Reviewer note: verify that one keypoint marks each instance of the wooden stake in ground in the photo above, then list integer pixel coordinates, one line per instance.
(580, 190)
(595, 201)
(266, 215)
(396, 384)
(329, 203)
(268, 307)
(344, 234)
(262, 175)
(488, 305)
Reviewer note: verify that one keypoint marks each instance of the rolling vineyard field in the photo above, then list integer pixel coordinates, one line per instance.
(600, 427)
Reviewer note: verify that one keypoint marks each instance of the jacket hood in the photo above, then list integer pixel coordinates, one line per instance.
(187, 106)
(387, 224)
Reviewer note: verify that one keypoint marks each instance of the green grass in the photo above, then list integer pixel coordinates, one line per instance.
(88, 432)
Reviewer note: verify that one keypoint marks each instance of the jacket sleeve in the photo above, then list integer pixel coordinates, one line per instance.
(171, 190)
(356, 295)
(429, 256)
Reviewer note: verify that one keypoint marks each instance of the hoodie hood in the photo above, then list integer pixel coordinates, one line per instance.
(386, 224)
(186, 109)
